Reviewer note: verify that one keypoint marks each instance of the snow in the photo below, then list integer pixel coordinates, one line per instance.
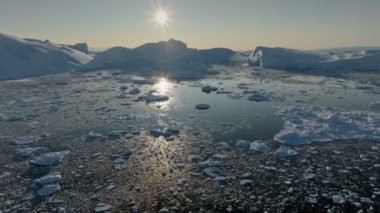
(21, 58)
(307, 124)
(327, 61)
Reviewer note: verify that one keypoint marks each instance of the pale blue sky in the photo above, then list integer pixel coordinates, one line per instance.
(237, 24)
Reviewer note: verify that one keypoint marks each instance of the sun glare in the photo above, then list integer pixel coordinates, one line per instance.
(161, 17)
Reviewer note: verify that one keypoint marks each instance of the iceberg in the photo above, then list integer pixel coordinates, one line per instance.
(331, 61)
(22, 58)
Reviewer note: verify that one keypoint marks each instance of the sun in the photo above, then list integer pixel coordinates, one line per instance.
(161, 17)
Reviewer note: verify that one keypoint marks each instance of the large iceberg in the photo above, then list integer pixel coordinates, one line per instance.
(331, 61)
(307, 124)
(21, 58)
(170, 58)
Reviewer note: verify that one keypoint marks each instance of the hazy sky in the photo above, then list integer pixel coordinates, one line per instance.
(237, 24)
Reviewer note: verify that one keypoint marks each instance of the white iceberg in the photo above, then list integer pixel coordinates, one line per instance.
(21, 58)
(331, 61)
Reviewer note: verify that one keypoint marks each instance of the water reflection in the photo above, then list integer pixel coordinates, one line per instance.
(164, 87)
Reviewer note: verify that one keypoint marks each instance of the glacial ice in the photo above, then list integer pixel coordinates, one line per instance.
(307, 124)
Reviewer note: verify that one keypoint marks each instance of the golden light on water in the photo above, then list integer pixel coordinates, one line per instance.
(163, 86)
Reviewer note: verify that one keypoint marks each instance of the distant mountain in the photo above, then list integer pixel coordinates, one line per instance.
(172, 58)
(330, 61)
(20, 58)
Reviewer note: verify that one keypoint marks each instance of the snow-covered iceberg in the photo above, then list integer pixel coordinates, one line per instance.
(307, 124)
(21, 58)
(332, 61)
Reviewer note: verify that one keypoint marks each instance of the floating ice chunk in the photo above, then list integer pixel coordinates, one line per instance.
(124, 87)
(209, 89)
(25, 152)
(259, 146)
(49, 159)
(126, 154)
(262, 95)
(26, 140)
(285, 152)
(143, 81)
(304, 125)
(243, 144)
(134, 91)
(209, 164)
(166, 132)
(220, 180)
(3, 117)
(374, 105)
(103, 208)
(223, 146)
(93, 136)
(338, 199)
(202, 106)
(311, 199)
(182, 182)
(308, 176)
(45, 180)
(48, 190)
(4, 175)
(246, 182)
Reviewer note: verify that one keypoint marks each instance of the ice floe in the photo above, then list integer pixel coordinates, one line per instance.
(49, 159)
(374, 105)
(202, 106)
(26, 140)
(45, 180)
(262, 95)
(243, 144)
(307, 124)
(283, 152)
(48, 190)
(209, 89)
(259, 146)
